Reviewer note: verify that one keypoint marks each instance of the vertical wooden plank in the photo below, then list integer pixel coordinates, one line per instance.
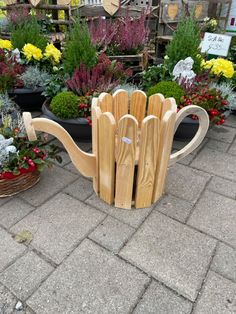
(147, 161)
(166, 139)
(138, 105)
(106, 152)
(168, 104)
(125, 161)
(155, 103)
(96, 113)
(120, 103)
(105, 102)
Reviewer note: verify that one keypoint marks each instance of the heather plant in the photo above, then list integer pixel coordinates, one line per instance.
(185, 43)
(79, 48)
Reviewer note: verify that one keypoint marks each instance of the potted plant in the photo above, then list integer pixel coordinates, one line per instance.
(21, 160)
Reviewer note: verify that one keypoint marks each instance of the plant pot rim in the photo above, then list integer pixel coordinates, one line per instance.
(26, 90)
(47, 112)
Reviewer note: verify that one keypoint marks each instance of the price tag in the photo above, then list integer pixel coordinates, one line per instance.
(126, 140)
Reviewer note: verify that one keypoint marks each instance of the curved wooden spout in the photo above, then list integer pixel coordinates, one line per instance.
(84, 162)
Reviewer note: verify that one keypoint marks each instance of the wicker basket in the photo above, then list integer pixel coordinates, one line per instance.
(9, 187)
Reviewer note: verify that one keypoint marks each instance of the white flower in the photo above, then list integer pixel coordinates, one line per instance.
(166, 57)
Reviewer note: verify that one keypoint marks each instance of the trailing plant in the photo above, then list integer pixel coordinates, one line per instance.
(103, 77)
(167, 89)
(79, 48)
(33, 77)
(155, 74)
(55, 84)
(65, 105)
(185, 43)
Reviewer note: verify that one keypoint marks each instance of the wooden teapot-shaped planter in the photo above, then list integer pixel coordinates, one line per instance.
(131, 145)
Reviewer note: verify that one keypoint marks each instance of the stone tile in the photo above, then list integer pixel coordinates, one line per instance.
(174, 207)
(216, 215)
(171, 252)
(25, 275)
(185, 182)
(222, 186)
(177, 145)
(9, 249)
(231, 121)
(52, 181)
(232, 149)
(132, 217)
(222, 133)
(217, 145)
(59, 225)
(187, 160)
(57, 143)
(80, 189)
(8, 303)
(160, 300)
(224, 262)
(70, 167)
(218, 296)
(13, 211)
(220, 164)
(91, 280)
(4, 200)
(65, 159)
(86, 147)
(112, 234)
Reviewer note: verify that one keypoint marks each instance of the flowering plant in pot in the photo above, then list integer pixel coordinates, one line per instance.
(21, 160)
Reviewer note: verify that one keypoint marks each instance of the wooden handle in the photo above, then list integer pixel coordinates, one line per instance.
(199, 136)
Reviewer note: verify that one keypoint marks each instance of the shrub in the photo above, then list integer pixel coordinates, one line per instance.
(185, 43)
(28, 31)
(154, 74)
(65, 105)
(33, 77)
(79, 48)
(167, 89)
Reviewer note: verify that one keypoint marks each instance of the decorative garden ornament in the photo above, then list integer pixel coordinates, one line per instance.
(183, 70)
(6, 147)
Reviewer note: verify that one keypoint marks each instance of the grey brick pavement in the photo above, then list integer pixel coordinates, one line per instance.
(177, 257)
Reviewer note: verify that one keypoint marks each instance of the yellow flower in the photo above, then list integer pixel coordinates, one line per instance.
(219, 66)
(51, 52)
(32, 52)
(5, 44)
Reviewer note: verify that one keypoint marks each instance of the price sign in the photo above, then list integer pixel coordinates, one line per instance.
(216, 44)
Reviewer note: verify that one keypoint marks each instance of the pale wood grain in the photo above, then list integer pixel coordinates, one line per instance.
(147, 161)
(138, 105)
(31, 134)
(106, 102)
(155, 105)
(96, 113)
(120, 103)
(168, 104)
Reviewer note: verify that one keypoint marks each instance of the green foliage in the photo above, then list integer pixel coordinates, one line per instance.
(167, 89)
(28, 32)
(65, 105)
(79, 48)
(55, 84)
(154, 74)
(185, 43)
(33, 77)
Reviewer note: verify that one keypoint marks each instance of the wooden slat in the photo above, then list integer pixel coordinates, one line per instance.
(166, 139)
(120, 103)
(105, 102)
(168, 104)
(147, 161)
(155, 105)
(111, 6)
(106, 151)
(125, 161)
(96, 113)
(138, 105)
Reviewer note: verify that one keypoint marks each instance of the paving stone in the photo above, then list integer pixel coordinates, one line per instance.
(222, 186)
(187, 160)
(80, 189)
(174, 207)
(65, 159)
(52, 181)
(59, 225)
(185, 182)
(232, 149)
(132, 217)
(224, 262)
(231, 121)
(86, 147)
(4, 200)
(218, 296)
(25, 275)
(160, 300)
(177, 145)
(222, 133)
(91, 280)
(171, 252)
(220, 164)
(217, 145)
(216, 215)
(13, 211)
(9, 249)
(70, 167)
(112, 234)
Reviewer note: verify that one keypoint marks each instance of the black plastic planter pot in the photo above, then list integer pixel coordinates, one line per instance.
(186, 130)
(28, 99)
(79, 128)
